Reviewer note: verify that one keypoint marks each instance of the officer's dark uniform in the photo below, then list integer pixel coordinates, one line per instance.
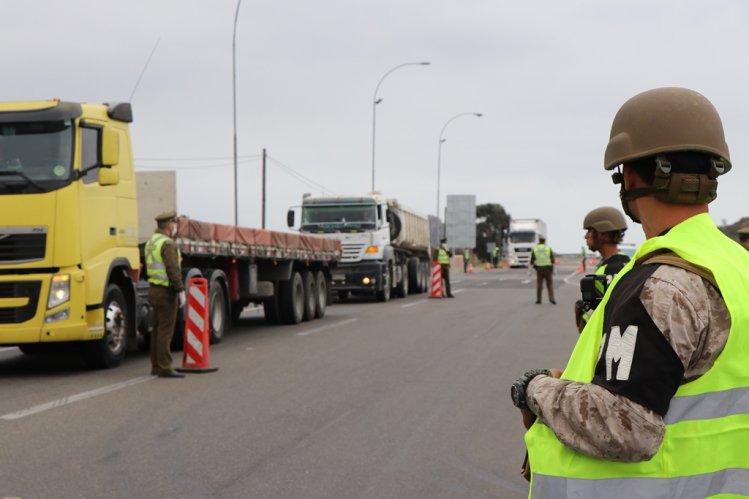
(165, 279)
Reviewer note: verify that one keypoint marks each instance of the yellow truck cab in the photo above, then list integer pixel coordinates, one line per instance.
(68, 228)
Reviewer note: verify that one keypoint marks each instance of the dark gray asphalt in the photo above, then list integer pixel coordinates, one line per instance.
(397, 400)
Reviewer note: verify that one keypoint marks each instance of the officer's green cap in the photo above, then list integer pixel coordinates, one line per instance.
(167, 216)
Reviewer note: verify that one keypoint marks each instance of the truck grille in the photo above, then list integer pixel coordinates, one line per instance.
(351, 252)
(21, 244)
(21, 289)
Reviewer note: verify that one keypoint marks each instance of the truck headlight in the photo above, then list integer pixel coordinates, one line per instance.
(59, 292)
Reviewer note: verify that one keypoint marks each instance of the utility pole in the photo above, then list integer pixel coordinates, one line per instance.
(263, 220)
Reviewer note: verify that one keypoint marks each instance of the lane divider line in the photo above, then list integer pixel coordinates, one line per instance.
(325, 328)
(74, 398)
(414, 303)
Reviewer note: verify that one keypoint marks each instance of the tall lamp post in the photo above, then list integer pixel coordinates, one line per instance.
(376, 101)
(234, 107)
(439, 152)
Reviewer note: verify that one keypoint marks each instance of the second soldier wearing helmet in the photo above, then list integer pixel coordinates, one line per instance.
(605, 228)
(642, 408)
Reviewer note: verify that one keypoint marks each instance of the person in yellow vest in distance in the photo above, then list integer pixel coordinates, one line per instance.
(652, 402)
(166, 292)
(466, 259)
(542, 259)
(744, 237)
(495, 256)
(443, 257)
(605, 228)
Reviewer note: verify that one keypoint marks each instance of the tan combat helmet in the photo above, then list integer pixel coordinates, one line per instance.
(605, 219)
(670, 120)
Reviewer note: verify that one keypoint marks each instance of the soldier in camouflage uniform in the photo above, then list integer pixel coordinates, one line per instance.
(744, 237)
(670, 145)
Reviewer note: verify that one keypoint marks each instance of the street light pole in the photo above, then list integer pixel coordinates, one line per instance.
(439, 152)
(234, 108)
(376, 101)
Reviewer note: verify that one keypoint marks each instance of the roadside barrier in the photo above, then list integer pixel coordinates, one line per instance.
(196, 350)
(437, 280)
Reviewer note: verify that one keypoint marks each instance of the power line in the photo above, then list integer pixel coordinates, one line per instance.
(208, 158)
(290, 171)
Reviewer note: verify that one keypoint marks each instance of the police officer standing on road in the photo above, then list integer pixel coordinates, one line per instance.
(466, 259)
(166, 292)
(443, 257)
(495, 257)
(542, 259)
(652, 401)
(605, 228)
(744, 237)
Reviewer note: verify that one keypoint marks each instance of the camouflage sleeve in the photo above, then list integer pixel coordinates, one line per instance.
(172, 264)
(691, 314)
(693, 317)
(591, 420)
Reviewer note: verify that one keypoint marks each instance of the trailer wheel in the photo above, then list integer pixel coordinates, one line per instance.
(383, 295)
(414, 275)
(308, 279)
(321, 294)
(292, 299)
(218, 318)
(271, 309)
(403, 285)
(110, 349)
(426, 277)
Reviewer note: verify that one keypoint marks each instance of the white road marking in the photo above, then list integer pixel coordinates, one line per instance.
(414, 303)
(7, 349)
(74, 398)
(458, 291)
(483, 283)
(325, 328)
(566, 279)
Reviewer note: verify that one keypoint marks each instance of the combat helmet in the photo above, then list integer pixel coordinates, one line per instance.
(605, 219)
(663, 121)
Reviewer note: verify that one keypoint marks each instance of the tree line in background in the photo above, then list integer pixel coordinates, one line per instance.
(493, 223)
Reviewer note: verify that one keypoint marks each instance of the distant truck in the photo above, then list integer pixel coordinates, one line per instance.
(523, 236)
(385, 246)
(71, 244)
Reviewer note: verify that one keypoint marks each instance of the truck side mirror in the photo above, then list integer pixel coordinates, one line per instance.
(110, 146)
(290, 219)
(108, 175)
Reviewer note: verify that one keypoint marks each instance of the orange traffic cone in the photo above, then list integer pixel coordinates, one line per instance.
(470, 268)
(488, 267)
(196, 350)
(436, 280)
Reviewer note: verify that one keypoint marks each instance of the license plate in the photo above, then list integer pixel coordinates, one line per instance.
(339, 277)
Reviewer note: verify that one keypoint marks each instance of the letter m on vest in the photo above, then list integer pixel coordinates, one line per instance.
(620, 349)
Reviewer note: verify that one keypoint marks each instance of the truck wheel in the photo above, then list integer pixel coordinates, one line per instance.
(217, 306)
(414, 275)
(271, 309)
(403, 285)
(308, 278)
(292, 299)
(426, 277)
(383, 295)
(321, 294)
(110, 349)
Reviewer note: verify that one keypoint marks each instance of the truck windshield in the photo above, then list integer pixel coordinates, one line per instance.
(522, 237)
(338, 218)
(35, 157)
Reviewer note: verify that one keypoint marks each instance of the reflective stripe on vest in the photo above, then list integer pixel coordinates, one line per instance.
(155, 268)
(443, 257)
(703, 452)
(543, 255)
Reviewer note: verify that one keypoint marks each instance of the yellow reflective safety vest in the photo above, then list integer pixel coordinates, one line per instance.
(704, 451)
(543, 255)
(442, 257)
(155, 268)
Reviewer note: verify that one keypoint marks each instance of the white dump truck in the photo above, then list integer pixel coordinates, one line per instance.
(523, 237)
(385, 246)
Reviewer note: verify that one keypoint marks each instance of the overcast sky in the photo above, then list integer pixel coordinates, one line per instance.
(548, 76)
